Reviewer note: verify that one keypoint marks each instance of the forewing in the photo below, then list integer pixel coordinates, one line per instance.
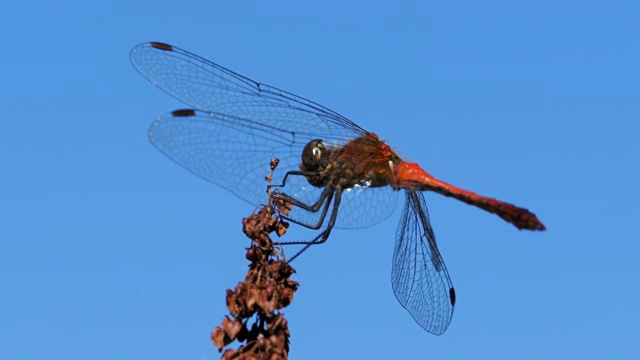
(234, 153)
(239, 125)
(419, 276)
(210, 87)
(229, 152)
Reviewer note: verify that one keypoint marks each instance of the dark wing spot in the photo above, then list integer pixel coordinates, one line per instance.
(183, 113)
(452, 296)
(161, 46)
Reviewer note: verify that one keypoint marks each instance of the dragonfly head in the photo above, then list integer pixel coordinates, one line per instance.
(315, 158)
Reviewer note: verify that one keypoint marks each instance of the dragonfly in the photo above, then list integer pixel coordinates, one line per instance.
(328, 165)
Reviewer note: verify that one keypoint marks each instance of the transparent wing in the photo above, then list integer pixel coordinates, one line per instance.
(210, 87)
(239, 125)
(419, 276)
(234, 153)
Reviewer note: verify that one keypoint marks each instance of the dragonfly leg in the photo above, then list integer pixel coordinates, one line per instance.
(327, 192)
(324, 235)
(325, 197)
(298, 173)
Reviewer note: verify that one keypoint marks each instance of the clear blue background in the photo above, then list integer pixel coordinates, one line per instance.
(110, 251)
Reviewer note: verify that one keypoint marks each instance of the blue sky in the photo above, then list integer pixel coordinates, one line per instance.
(109, 250)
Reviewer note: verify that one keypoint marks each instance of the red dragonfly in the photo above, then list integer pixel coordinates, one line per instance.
(329, 163)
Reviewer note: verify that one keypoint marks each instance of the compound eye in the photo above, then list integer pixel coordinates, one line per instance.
(318, 151)
(312, 155)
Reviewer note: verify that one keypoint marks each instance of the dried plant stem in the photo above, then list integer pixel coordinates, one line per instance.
(266, 289)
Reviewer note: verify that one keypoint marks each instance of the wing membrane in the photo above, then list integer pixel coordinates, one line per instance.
(234, 153)
(419, 276)
(238, 125)
(210, 87)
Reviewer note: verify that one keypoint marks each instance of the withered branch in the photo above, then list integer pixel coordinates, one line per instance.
(266, 289)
